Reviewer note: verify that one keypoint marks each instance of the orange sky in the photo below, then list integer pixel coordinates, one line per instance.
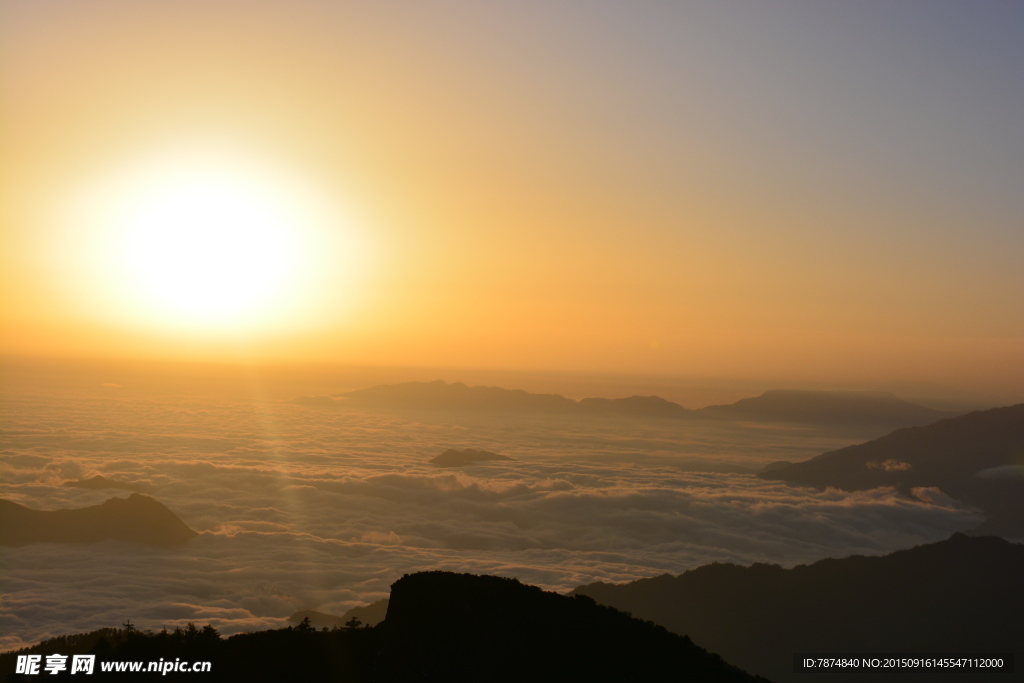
(730, 191)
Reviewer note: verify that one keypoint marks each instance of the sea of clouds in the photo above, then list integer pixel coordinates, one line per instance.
(323, 509)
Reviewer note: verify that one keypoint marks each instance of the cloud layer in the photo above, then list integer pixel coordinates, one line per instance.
(304, 508)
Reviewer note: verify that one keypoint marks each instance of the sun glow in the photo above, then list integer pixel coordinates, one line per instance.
(209, 247)
(204, 242)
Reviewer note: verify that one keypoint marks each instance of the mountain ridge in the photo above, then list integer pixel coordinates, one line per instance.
(824, 408)
(136, 518)
(961, 594)
(440, 626)
(828, 407)
(977, 458)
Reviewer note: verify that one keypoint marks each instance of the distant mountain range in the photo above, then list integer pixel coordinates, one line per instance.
(317, 620)
(858, 409)
(959, 595)
(647, 406)
(137, 518)
(371, 614)
(828, 408)
(457, 395)
(440, 626)
(368, 615)
(977, 458)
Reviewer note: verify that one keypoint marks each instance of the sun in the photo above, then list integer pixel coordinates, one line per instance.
(207, 242)
(204, 246)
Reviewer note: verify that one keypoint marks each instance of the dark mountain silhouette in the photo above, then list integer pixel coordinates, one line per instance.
(454, 458)
(136, 518)
(977, 458)
(100, 482)
(457, 395)
(316, 619)
(959, 595)
(1007, 521)
(651, 406)
(828, 408)
(821, 408)
(439, 627)
(368, 615)
(946, 454)
(371, 614)
(464, 627)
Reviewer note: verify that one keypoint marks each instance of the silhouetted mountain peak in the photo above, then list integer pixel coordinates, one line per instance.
(136, 518)
(504, 630)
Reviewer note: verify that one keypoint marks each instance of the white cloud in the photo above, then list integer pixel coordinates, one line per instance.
(1003, 472)
(301, 508)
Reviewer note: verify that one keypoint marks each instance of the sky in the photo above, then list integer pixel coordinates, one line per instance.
(820, 191)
